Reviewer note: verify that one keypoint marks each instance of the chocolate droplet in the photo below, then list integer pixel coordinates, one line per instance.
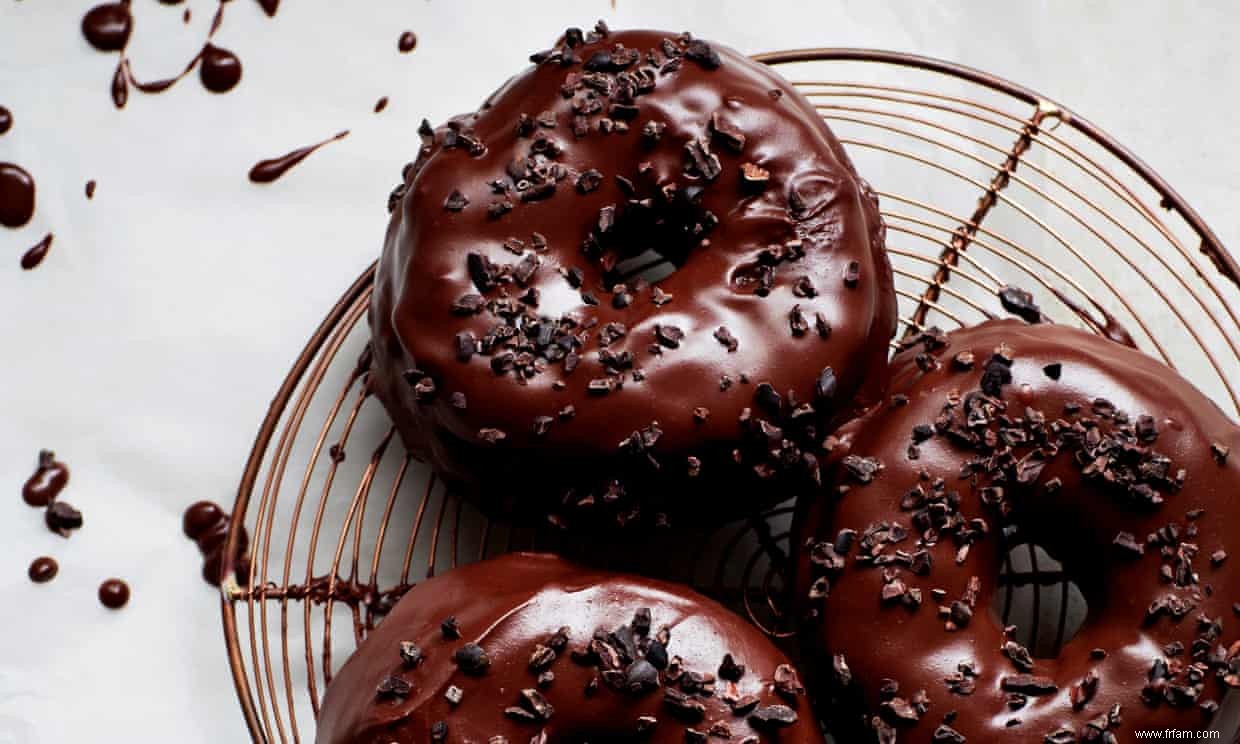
(16, 195)
(33, 257)
(266, 171)
(107, 27)
(220, 70)
(43, 570)
(114, 594)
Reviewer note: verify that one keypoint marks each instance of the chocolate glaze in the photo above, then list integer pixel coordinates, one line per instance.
(33, 257)
(425, 269)
(49, 479)
(220, 70)
(16, 195)
(206, 524)
(266, 171)
(6, 120)
(407, 42)
(270, 7)
(509, 606)
(114, 594)
(43, 570)
(1078, 523)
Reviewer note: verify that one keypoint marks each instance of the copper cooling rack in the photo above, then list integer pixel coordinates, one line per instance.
(984, 184)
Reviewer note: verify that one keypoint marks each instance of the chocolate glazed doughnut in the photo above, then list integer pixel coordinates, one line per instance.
(518, 355)
(1004, 434)
(531, 648)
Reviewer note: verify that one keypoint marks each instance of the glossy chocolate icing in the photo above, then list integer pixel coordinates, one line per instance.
(550, 443)
(1079, 523)
(509, 606)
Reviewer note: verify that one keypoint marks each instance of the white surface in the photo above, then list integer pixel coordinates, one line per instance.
(145, 349)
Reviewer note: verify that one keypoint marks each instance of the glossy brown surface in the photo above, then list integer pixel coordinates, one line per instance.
(509, 606)
(481, 430)
(407, 42)
(1079, 523)
(6, 120)
(16, 195)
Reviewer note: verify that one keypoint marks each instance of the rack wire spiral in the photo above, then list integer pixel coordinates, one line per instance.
(983, 183)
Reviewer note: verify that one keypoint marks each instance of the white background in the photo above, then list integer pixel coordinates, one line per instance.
(146, 348)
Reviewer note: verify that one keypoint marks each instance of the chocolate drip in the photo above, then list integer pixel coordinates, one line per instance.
(266, 171)
(33, 257)
(220, 70)
(16, 195)
(108, 28)
(1108, 326)
(206, 523)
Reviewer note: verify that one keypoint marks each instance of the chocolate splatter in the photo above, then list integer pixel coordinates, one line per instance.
(6, 120)
(109, 27)
(16, 195)
(33, 257)
(43, 570)
(408, 42)
(220, 70)
(381, 104)
(48, 480)
(114, 594)
(206, 523)
(266, 171)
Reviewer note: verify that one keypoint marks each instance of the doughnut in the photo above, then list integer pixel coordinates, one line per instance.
(1009, 434)
(528, 647)
(524, 345)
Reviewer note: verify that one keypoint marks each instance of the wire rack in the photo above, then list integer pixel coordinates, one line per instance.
(984, 185)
